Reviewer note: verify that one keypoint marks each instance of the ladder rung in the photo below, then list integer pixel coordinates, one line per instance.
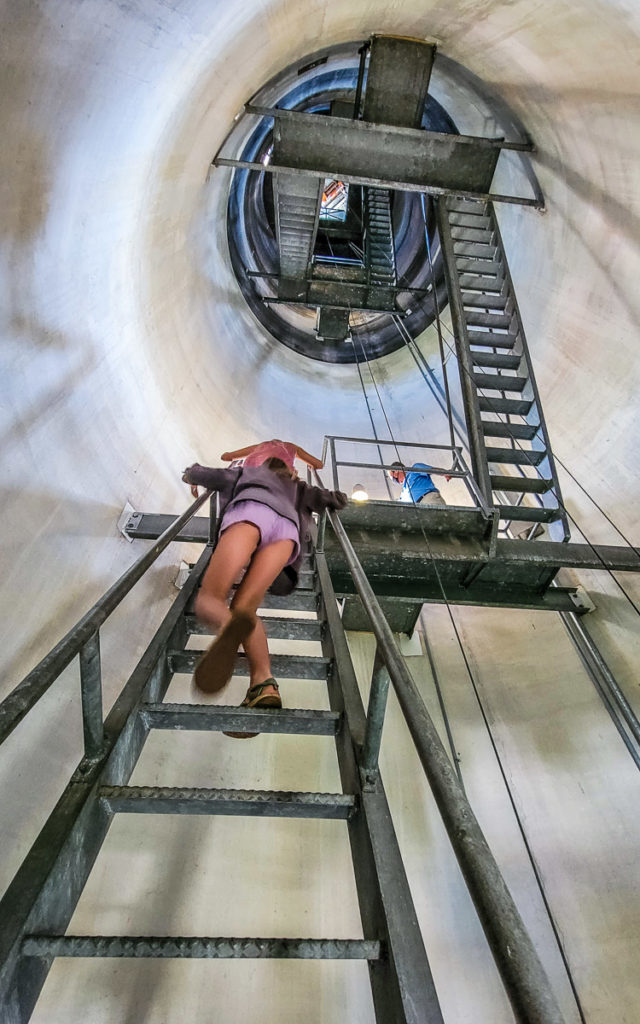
(471, 206)
(500, 381)
(523, 431)
(276, 628)
(298, 601)
(466, 265)
(496, 359)
(522, 484)
(516, 456)
(515, 406)
(216, 718)
(471, 234)
(195, 947)
(488, 339)
(481, 300)
(529, 515)
(483, 250)
(483, 284)
(285, 666)
(477, 319)
(262, 803)
(470, 220)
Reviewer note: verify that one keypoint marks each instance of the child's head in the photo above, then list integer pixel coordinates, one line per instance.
(280, 468)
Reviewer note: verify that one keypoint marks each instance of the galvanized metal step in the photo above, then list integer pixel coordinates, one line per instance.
(524, 513)
(199, 947)
(479, 250)
(490, 339)
(477, 319)
(471, 234)
(514, 406)
(516, 456)
(488, 283)
(471, 220)
(474, 207)
(467, 265)
(220, 718)
(297, 601)
(254, 802)
(522, 431)
(285, 666)
(496, 359)
(500, 381)
(275, 628)
(522, 484)
(484, 300)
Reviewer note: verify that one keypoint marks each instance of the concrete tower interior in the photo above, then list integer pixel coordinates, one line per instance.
(130, 351)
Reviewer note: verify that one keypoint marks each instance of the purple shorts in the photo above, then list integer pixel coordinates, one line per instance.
(272, 526)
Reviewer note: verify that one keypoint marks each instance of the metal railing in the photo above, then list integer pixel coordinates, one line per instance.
(83, 640)
(522, 973)
(457, 470)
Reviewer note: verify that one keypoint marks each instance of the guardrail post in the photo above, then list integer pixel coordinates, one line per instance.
(375, 720)
(91, 692)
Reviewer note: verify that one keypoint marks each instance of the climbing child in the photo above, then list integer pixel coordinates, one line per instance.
(265, 519)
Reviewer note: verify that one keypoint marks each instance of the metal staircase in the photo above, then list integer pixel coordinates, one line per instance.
(379, 250)
(510, 446)
(34, 934)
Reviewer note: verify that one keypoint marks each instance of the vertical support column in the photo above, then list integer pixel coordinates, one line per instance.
(213, 518)
(91, 693)
(470, 403)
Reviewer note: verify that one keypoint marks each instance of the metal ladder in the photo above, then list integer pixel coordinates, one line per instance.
(500, 395)
(401, 982)
(379, 250)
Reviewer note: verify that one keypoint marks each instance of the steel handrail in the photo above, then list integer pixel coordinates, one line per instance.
(27, 693)
(523, 975)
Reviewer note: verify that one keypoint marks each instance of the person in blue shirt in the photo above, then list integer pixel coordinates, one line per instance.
(417, 484)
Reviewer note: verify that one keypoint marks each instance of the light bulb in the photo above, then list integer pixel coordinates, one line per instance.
(359, 494)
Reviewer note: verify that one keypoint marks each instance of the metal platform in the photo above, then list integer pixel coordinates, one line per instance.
(421, 554)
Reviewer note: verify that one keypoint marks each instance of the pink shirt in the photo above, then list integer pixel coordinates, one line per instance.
(272, 450)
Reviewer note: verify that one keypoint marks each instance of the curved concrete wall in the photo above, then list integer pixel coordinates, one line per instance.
(129, 352)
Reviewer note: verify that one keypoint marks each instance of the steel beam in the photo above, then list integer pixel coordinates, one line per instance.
(402, 184)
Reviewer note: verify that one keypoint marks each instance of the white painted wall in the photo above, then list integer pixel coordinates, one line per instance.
(128, 352)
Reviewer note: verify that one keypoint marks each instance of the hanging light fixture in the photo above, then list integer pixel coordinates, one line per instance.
(359, 494)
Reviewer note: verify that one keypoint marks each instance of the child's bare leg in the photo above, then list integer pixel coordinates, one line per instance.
(265, 566)
(231, 554)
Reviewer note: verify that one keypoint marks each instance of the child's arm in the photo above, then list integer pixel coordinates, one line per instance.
(239, 453)
(205, 476)
(318, 498)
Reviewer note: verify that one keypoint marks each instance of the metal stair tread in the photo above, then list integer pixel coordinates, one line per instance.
(523, 431)
(251, 802)
(526, 513)
(200, 947)
(216, 717)
(496, 359)
(517, 456)
(489, 339)
(522, 484)
(276, 628)
(474, 318)
(515, 406)
(286, 666)
(500, 381)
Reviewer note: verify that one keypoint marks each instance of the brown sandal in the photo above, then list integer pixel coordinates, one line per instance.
(215, 668)
(254, 698)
